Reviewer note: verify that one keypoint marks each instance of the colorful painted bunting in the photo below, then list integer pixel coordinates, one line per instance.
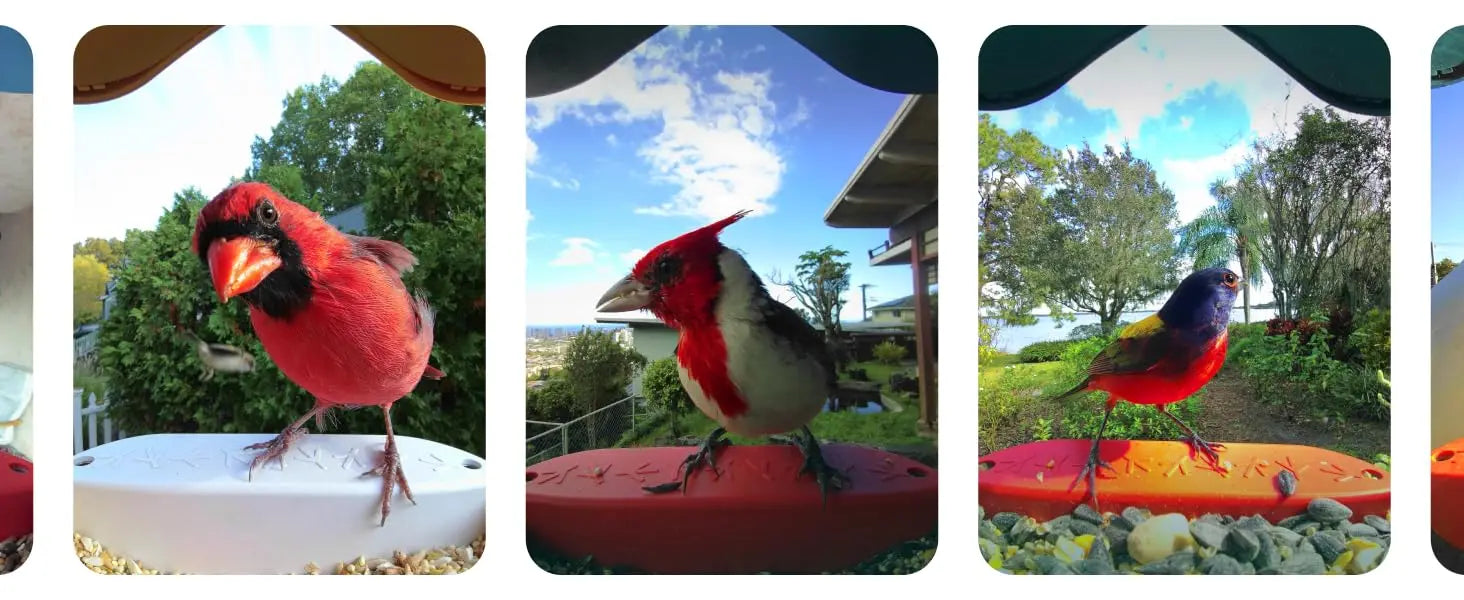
(1165, 357)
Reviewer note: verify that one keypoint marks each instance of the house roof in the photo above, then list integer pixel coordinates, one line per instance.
(351, 220)
(906, 302)
(1347, 66)
(898, 175)
(443, 61)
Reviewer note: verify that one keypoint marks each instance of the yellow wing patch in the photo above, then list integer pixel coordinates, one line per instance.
(1145, 327)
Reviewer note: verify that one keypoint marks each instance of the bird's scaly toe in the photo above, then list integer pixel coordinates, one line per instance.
(275, 448)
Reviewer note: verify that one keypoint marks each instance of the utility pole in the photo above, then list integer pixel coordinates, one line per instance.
(1433, 266)
(864, 301)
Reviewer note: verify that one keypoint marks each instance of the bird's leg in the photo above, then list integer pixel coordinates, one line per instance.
(277, 447)
(813, 462)
(1090, 469)
(390, 470)
(703, 455)
(1193, 439)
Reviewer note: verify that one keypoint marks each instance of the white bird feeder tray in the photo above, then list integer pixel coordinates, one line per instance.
(15, 396)
(183, 502)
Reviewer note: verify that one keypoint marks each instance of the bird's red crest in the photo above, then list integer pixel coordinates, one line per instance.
(698, 242)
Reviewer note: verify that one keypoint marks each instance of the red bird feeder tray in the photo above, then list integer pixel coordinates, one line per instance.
(16, 496)
(758, 515)
(1447, 473)
(1041, 479)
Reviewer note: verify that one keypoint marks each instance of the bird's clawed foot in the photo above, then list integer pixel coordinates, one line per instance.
(704, 455)
(275, 448)
(813, 463)
(1211, 451)
(1090, 471)
(390, 471)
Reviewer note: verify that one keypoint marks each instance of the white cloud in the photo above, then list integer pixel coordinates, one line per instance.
(532, 155)
(681, 31)
(1190, 179)
(1049, 120)
(630, 257)
(717, 144)
(612, 140)
(1009, 120)
(576, 252)
(1185, 122)
(1160, 65)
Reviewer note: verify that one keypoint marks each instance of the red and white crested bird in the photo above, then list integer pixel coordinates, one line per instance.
(330, 309)
(746, 360)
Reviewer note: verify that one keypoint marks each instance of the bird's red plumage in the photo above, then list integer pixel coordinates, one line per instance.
(358, 340)
(688, 306)
(1156, 387)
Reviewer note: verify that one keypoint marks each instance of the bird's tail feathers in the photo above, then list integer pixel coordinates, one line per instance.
(1078, 389)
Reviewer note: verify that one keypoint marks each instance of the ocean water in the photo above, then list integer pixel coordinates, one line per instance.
(1012, 339)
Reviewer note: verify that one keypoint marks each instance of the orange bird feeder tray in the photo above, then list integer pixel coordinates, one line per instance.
(16, 497)
(1041, 479)
(1447, 473)
(758, 515)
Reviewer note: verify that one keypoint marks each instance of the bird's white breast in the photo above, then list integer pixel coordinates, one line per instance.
(783, 389)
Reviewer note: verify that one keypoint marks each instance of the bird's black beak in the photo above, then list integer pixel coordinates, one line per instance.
(626, 295)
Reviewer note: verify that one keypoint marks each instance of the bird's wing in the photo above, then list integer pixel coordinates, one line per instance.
(390, 253)
(1139, 347)
(225, 349)
(803, 337)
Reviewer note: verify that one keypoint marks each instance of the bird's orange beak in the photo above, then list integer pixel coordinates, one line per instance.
(239, 264)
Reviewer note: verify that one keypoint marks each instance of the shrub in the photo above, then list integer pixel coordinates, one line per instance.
(1298, 368)
(661, 385)
(889, 352)
(1044, 351)
(1083, 332)
(1373, 340)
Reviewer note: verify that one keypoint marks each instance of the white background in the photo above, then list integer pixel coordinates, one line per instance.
(957, 28)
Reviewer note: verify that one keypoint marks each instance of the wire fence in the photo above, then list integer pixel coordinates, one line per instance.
(602, 428)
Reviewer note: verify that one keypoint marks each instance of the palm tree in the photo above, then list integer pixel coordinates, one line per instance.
(1231, 229)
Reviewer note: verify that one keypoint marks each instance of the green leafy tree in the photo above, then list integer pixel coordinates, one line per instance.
(819, 283)
(1232, 229)
(89, 281)
(1110, 247)
(1326, 195)
(661, 384)
(1444, 267)
(598, 369)
(106, 251)
(1015, 222)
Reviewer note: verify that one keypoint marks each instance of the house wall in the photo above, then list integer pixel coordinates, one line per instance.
(898, 315)
(653, 342)
(16, 306)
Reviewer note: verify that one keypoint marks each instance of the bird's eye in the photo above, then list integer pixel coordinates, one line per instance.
(1230, 279)
(667, 268)
(267, 215)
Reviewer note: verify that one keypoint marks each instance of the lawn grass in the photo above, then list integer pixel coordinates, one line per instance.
(90, 382)
(893, 430)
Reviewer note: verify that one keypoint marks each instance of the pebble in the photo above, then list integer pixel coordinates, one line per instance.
(1328, 511)
(14, 552)
(1135, 541)
(1378, 523)
(1211, 534)
(1158, 537)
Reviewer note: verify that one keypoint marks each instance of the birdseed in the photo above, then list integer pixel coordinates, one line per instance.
(1319, 541)
(446, 560)
(13, 553)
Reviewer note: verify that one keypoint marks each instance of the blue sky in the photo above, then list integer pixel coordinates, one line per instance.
(690, 127)
(1447, 219)
(1189, 100)
(192, 125)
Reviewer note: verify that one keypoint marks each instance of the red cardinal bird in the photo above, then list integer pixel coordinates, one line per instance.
(746, 360)
(329, 308)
